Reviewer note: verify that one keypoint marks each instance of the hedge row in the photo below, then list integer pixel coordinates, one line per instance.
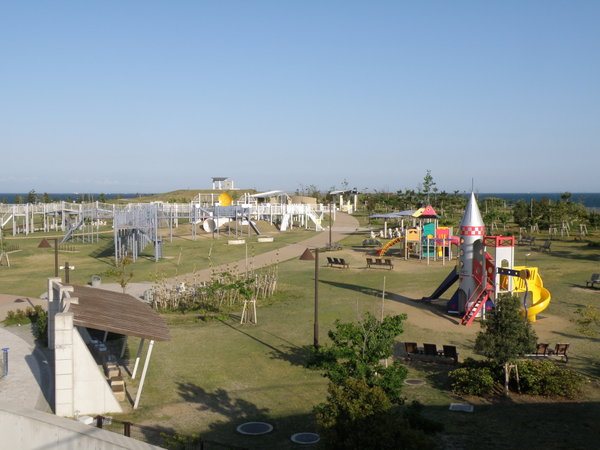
(537, 377)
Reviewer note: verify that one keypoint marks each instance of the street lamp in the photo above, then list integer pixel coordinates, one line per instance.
(308, 256)
(46, 244)
(330, 225)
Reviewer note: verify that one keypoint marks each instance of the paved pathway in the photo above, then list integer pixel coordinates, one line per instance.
(343, 226)
(29, 377)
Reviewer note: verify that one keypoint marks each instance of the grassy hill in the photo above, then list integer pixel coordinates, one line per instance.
(184, 195)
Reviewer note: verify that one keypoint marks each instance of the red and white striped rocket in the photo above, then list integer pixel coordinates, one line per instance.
(472, 229)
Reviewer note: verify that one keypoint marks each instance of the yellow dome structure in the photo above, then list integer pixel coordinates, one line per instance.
(225, 199)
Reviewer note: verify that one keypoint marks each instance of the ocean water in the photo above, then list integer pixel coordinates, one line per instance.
(10, 197)
(588, 199)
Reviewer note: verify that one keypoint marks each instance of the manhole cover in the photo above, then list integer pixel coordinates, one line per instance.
(414, 382)
(305, 438)
(255, 428)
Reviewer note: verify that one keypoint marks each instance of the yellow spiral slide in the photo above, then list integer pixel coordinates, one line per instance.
(538, 296)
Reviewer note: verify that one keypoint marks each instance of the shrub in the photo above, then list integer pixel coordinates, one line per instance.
(537, 377)
(357, 416)
(181, 442)
(472, 380)
(40, 330)
(18, 317)
(547, 379)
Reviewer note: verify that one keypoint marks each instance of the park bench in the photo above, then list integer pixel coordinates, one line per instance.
(450, 352)
(560, 350)
(412, 349)
(545, 246)
(337, 262)
(595, 279)
(430, 352)
(378, 262)
(371, 243)
(542, 351)
(526, 240)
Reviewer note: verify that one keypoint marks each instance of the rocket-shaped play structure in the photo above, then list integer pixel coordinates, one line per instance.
(483, 276)
(472, 232)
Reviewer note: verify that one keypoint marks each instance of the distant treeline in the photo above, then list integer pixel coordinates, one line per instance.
(34, 197)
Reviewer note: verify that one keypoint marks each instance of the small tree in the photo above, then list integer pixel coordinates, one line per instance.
(32, 196)
(119, 271)
(505, 335)
(428, 186)
(357, 349)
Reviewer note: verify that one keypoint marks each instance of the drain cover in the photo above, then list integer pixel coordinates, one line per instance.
(305, 438)
(414, 382)
(255, 428)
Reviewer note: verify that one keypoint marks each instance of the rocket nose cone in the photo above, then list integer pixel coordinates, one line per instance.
(472, 216)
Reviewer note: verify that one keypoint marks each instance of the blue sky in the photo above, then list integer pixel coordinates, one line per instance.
(152, 96)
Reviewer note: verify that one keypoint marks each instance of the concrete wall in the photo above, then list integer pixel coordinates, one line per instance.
(25, 429)
(91, 392)
(80, 385)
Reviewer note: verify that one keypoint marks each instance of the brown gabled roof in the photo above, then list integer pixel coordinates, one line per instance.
(117, 313)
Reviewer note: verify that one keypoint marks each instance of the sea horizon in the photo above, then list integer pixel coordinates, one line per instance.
(588, 199)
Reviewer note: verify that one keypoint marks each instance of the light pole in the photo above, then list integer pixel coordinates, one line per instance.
(67, 268)
(308, 256)
(46, 244)
(330, 225)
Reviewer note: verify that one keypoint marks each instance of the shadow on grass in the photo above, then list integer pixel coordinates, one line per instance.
(435, 309)
(574, 255)
(298, 356)
(221, 402)
(254, 338)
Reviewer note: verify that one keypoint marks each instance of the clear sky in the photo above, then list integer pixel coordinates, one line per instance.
(152, 96)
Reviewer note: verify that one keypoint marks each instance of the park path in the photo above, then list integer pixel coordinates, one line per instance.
(343, 226)
(29, 382)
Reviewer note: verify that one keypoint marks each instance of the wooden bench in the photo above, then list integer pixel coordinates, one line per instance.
(378, 262)
(337, 262)
(544, 247)
(542, 351)
(560, 350)
(595, 279)
(526, 240)
(430, 352)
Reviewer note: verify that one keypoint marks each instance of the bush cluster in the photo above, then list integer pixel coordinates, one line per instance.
(21, 317)
(537, 377)
(547, 379)
(472, 381)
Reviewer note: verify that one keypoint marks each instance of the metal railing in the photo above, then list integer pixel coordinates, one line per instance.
(157, 435)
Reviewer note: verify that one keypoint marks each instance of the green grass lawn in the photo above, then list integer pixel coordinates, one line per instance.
(217, 374)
